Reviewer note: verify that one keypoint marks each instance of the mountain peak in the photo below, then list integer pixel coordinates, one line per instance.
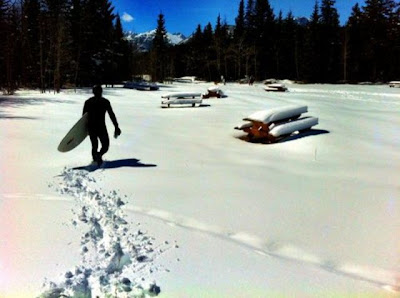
(145, 39)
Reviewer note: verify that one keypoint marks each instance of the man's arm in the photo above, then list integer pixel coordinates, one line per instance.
(112, 115)
(114, 120)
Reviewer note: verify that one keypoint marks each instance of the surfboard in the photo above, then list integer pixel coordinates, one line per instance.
(75, 136)
(277, 114)
(290, 127)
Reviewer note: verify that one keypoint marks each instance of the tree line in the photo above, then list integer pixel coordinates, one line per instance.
(50, 44)
(366, 48)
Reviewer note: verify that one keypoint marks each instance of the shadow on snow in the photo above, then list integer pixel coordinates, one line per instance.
(295, 136)
(14, 101)
(185, 106)
(7, 116)
(114, 164)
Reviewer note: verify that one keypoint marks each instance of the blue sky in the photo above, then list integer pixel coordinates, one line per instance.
(184, 16)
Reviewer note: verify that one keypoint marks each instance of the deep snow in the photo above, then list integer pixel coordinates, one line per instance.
(209, 215)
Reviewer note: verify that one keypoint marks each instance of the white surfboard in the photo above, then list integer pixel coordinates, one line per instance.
(75, 136)
(276, 114)
(291, 127)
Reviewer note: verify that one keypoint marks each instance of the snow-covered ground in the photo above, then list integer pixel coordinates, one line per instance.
(185, 206)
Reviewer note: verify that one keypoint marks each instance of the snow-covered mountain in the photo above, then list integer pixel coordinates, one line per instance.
(302, 21)
(144, 40)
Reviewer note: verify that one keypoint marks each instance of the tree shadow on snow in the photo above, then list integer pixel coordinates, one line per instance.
(185, 106)
(14, 102)
(114, 164)
(8, 116)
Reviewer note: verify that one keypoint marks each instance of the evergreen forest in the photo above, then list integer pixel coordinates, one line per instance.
(54, 44)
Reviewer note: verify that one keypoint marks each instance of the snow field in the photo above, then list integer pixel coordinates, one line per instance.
(314, 215)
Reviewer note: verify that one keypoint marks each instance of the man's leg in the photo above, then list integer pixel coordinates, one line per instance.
(95, 145)
(105, 143)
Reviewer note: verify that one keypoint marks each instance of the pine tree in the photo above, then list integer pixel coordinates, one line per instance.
(354, 48)
(312, 68)
(239, 22)
(97, 38)
(249, 19)
(3, 44)
(249, 51)
(222, 43)
(12, 49)
(377, 23)
(194, 56)
(30, 43)
(107, 54)
(159, 48)
(289, 48)
(208, 52)
(278, 46)
(122, 53)
(75, 20)
(227, 57)
(330, 42)
(218, 42)
(265, 39)
(53, 38)
(393, 59)
(238, 47)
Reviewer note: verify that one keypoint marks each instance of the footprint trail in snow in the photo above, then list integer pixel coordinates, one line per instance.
(116, 260)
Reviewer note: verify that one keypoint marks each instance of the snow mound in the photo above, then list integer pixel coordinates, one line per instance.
(114, 260)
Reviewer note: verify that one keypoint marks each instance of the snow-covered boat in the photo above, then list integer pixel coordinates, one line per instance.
(188, 79)
(274, 124)
(276, 88)
(394, 84)
(141, 85)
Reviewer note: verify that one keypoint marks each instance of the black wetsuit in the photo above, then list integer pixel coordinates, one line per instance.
(97, 107)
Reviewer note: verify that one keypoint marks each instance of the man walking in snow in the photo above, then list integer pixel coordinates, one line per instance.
(96, 107)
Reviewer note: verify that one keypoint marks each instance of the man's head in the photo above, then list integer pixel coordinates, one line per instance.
(97, 90)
